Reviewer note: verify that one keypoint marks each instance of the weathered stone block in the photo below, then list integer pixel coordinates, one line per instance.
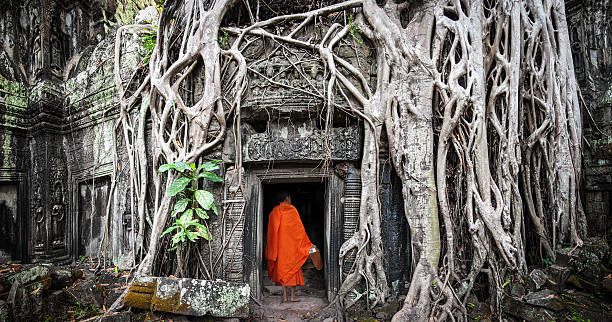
(537, 278)
(117, 317)
(33, 278)
(558, 273)
(190, 296)
(85, 293)
(544, 298)
(527, 312)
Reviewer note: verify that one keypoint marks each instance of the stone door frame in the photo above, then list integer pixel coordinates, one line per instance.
(76, 179)
(18, 178)
(254, 230)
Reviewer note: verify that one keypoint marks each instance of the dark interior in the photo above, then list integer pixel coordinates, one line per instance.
(93, 196)
(8, 222)
(309, 200)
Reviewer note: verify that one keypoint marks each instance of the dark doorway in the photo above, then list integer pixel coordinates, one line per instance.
(309, 200)
(93, 197)
(9, 228)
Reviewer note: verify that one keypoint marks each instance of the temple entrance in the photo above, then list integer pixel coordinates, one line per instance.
(9, 228)
(317, 194)
(309, 199)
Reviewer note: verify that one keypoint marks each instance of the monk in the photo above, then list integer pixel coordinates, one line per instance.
(288, 246)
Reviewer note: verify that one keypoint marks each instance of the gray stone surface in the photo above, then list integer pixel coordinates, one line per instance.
(544, 298)
(85, 293)
(538, 278)
(190, 296)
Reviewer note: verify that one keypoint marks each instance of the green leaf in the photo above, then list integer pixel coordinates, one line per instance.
(177, 186)
(214, 208)
(181, 166)
(169, 230)
(191, 236)
(176, 238)
(187, 217)
(192, 166)
(204, 198)
(203, 232)
(201, 213)
(210, 165)
(180, 206)
(210, 176)
(165, 167)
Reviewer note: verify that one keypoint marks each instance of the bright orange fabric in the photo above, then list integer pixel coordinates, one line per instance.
(287, 247)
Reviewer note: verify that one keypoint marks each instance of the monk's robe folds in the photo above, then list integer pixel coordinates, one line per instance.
(287, 246)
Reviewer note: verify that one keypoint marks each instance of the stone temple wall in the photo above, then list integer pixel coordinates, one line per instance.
(58, 110)
(590, 24)
(61, 145)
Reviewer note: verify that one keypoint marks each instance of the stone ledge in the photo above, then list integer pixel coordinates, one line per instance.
(189, 296)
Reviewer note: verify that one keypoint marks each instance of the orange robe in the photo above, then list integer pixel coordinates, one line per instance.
(287, 247)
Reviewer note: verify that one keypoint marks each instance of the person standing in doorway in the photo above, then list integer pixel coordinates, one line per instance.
(288, 246)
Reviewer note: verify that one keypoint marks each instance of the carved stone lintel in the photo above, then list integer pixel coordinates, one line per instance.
(344, 145)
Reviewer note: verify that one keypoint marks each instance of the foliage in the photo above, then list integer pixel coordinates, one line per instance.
(148, 43)
(80, 311)
(193, 203)
(224, 39)
(353, 28)
(547, 262)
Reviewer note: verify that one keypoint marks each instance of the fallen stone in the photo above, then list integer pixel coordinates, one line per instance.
(190, 296)
(117, 317)
(85, 293)
(558, 273)
(544, 298)
(587, 257)
(111, 296)
(517, 308)
(32, 278)
(517, 290)
(61, 278)
(24, 304)
(537, 279)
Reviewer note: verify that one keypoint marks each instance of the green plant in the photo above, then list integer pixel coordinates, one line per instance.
(354, 28)
(505, 283)
(547, 262)
(576, 316)
(82, 258)
(148, 43)
(80, 311)
(191, 200)
(224, 39)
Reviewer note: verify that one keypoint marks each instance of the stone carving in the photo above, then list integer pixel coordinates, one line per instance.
(351, 201)
(39, 221)
(233, 229)
(266, 147)
(276, 83)
(57, 216)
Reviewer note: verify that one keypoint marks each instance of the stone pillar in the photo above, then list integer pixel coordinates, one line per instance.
(49, 229)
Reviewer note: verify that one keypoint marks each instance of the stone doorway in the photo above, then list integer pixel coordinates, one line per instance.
(309, 200)
(317, 196)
